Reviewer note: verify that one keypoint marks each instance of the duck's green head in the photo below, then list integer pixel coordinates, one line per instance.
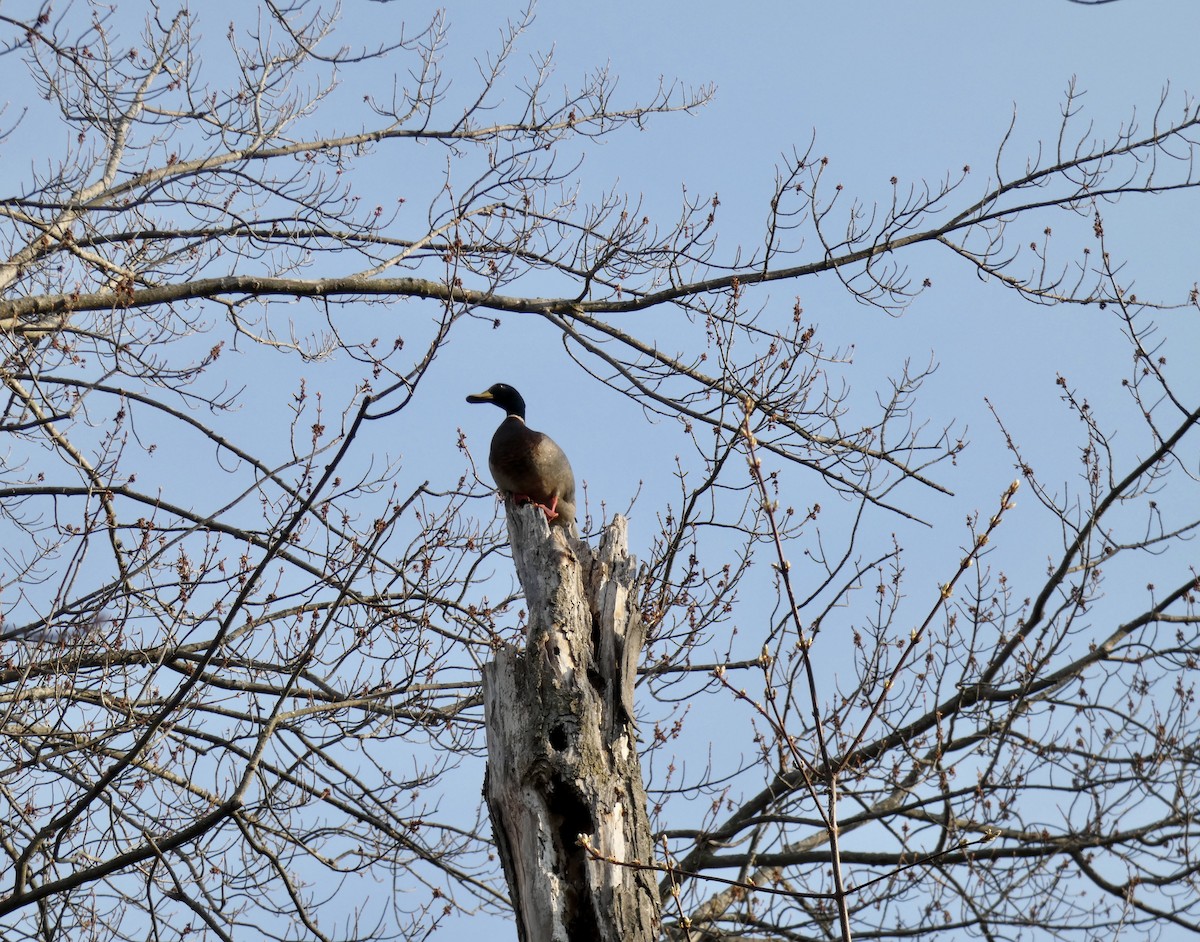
(504, 396)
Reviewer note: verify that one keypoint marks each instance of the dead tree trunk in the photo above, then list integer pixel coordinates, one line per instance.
(562, 754)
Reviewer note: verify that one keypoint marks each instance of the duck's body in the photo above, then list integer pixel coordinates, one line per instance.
(527, 464)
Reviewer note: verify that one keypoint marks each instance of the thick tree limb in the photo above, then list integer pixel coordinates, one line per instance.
(562, 750)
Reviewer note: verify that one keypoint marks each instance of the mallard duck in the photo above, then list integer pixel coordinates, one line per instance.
(528, 465)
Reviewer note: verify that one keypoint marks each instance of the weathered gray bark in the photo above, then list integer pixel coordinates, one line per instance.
(562, 754)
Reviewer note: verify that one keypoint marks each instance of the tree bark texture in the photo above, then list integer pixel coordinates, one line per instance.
(562, 751)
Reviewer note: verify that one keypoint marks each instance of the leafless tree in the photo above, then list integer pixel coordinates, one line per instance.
(243, 633)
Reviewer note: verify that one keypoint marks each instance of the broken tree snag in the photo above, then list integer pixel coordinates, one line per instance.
(562, 751)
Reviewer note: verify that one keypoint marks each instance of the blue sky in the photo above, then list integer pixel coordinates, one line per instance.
(914, 91)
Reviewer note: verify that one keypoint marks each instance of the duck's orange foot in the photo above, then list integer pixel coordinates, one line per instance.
(550, 511)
